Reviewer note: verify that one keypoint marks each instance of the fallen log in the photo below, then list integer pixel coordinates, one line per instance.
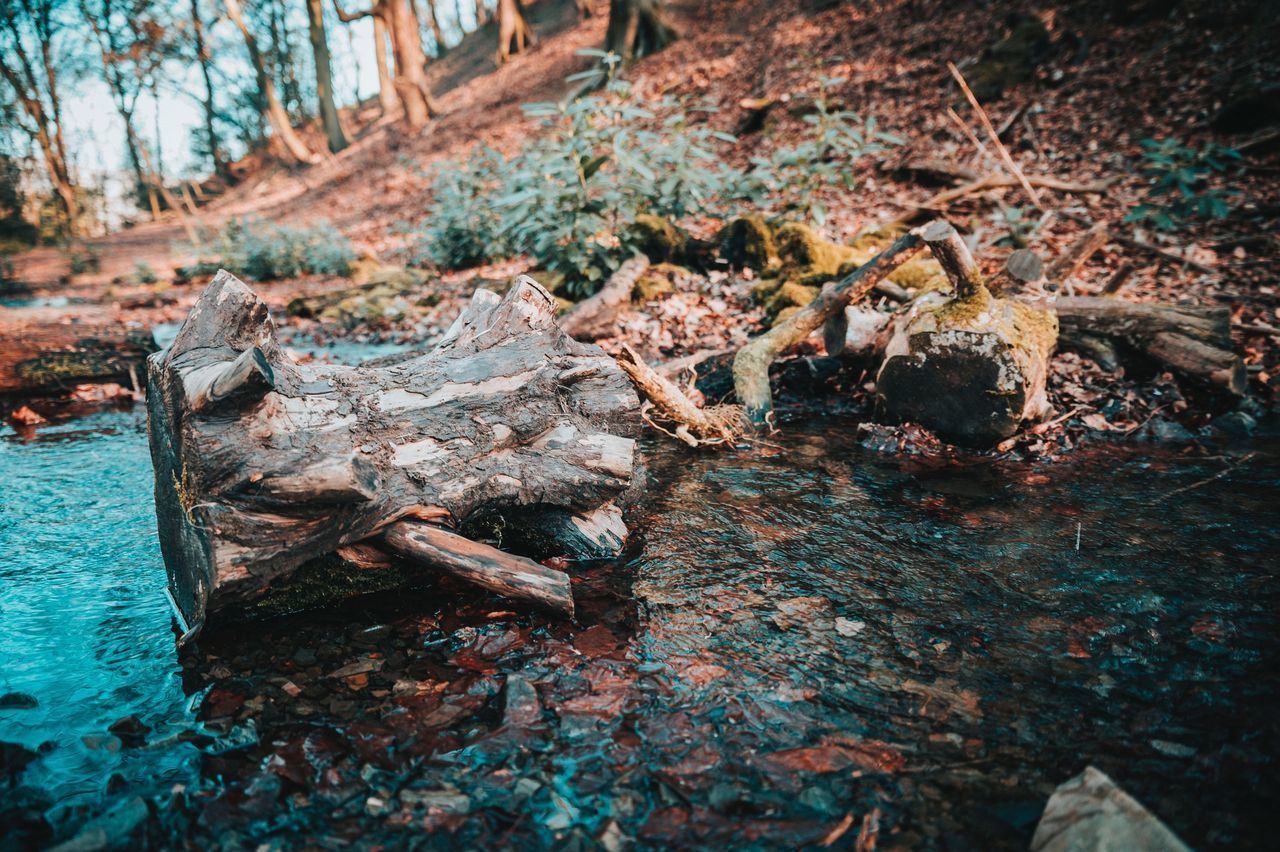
(751, 365)
(973, 367)
(263, 465)
(55, 356)
(597, 316)
(1193, 341)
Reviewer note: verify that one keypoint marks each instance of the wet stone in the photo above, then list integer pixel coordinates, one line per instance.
(18, 701)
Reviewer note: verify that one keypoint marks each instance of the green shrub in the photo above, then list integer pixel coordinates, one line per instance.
(255, 248)
(463, 228)
(84, 259)
(791, 175)
(1179, 187)
(144, 274)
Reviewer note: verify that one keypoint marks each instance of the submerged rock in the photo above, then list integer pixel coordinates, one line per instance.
(1090, 812)
(18, 701)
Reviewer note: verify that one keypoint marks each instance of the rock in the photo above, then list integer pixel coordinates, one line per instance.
(18, 701)
(522, 707)
(112, 830)
(747, 242)
(14, 759)
(1162, 431)
(1234, 424)
(1090, 812)
(131, 731)
(448, 801)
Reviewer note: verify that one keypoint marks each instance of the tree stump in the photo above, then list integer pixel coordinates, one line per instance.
(262, 464)
(973, 367)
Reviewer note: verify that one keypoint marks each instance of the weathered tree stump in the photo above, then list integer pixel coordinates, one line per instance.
(971, 368)
(262, 464)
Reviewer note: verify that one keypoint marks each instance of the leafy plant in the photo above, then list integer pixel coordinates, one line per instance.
(144, 274)
(1180, 188)
(263, 250)
(794, 174)
(83, 259)
(463, 227)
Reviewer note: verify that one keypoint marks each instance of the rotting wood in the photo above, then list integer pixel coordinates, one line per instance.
(260, 472)
(38, 357)
(597, 316)
(482, 565)
(973, 367)
(751, 365)
(695, 426)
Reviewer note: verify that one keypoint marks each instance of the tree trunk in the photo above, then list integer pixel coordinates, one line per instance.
(637, 28)
(973, 367)
(324, 78)
(54, 356)
(262, 464)
(210, 112)
(410, 73)
(513, 30)
(275, 112)
(54, 159)
(433, 20)
(387, 97)
(482, 14)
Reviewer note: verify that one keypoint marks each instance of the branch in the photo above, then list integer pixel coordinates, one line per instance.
(348, 17)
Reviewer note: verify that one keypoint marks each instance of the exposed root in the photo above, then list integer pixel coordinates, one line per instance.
(670, 411)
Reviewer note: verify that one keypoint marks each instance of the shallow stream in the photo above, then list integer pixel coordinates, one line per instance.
(798, 637)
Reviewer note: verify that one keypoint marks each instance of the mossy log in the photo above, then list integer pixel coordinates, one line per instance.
(263, 465)
(40, 357)
(972, 367)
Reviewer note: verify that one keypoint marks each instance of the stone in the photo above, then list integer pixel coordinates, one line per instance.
(18, 701)
(1090, 812)
(523, 709)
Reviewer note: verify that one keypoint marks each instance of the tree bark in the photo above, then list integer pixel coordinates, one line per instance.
(49, 140)
(336, 136)
(206, 72)
(410, 79)
(513, 30)
(637, 28)
(55, 356)
(388, 100)
(274, 110)
(973, 367)
(597, 316)
(263, 464)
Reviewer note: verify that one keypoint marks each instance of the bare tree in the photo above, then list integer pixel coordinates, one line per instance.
(28, 64)
(275, 111)
(637, 28)
(324, 78)
(205, 60)
(410, 80)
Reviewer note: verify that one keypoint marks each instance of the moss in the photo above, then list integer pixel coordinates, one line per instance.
(658, 238)
(962, 313)
(920, 274)
(320, 582)
(764, 289)
(747, 242)
(658, 281)
(1010, 61)
(789, 295)
(809, 259)
(1035, 328)
(563, 305)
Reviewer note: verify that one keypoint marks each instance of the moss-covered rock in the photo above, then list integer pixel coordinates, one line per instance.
(790, 295)
(660, 280)
(747, 243)
(807, 258)
(1010, 61)
(659, 239)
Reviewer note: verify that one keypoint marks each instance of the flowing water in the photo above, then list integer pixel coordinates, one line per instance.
(797, 638)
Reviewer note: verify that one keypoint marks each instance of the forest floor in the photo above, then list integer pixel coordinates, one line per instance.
(1109, 77)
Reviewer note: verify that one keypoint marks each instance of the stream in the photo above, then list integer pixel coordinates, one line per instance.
(798, 637)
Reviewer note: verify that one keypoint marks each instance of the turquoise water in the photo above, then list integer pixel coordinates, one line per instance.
(796, 633)
(84, 622)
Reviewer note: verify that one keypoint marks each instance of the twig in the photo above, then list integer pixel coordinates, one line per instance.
(1184, 489)
(1256, 328)
(1117, 281)
(1147, 247)
(995, 137)
(973, 140)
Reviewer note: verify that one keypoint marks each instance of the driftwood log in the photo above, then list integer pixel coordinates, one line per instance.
(55, 356)
(263, 465)
(597, 316)
(972, 367)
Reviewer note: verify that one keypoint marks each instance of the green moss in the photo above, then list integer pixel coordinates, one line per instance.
(658, 281)
(321, 582)
(1010, 61)
(789, 295)
(920, 274)
(747, 242)
(1035, 328)
(660, 240)
(552, 281)
(809, 259)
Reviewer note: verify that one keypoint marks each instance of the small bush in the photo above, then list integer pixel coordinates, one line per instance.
(793, 174)
(1179, 188)
(463, 228)
(144, 274)
(255, 248)
(84, 259)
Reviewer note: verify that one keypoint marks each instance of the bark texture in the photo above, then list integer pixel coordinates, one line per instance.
(637, 28)
(57, 356)
(973, 367)
(336, 136)
(262, 464)
(514, 34)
